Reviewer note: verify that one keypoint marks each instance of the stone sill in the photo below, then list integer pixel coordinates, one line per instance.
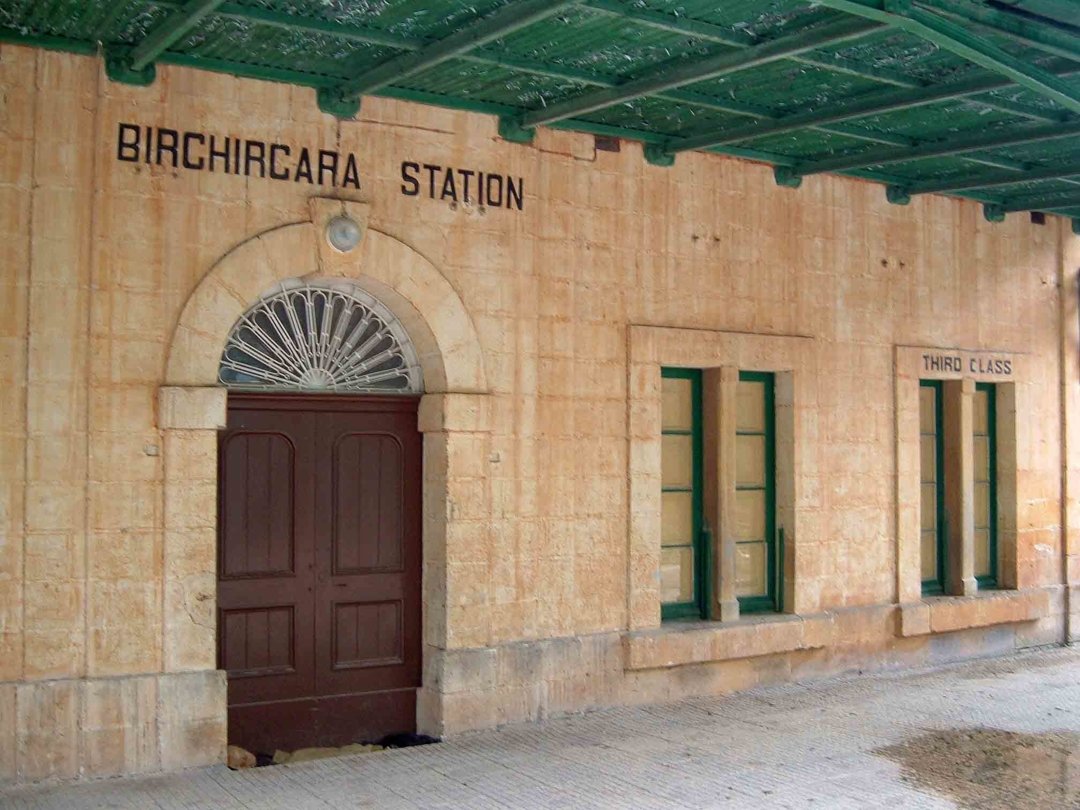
(947, 614)
(680, 643)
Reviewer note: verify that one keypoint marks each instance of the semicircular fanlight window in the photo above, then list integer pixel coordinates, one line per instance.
(322, 338)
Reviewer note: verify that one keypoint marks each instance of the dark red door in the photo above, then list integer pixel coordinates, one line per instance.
(319, 568)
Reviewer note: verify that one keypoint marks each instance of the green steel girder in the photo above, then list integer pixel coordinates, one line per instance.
(993, 179)
(699, 29)
(874, 104)
(968, 143)
(479, 32)
(1008, 23)
(1041, 202)
(683, 74)
(171, 29)
(331, 103)
(714, 33)
(905, 16)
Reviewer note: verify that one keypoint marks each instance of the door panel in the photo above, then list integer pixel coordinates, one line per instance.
(371, 571)
(266, 558)
(257, 505)
(367, 508)
(319, 568)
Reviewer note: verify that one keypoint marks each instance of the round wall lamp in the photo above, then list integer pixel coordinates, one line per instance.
(343, 233)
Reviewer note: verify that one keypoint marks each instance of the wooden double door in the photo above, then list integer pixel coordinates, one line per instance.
(319, 568)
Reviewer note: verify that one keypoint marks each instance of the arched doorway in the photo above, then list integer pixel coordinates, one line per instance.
(319, 524)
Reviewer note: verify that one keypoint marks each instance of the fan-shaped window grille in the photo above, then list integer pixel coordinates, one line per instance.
(320, 337)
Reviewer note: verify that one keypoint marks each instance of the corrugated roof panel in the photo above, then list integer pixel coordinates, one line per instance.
(660, 116)
(125, 20)
(601, 43)
(490, 83)
(785, 87)
(220, 38)
(808, 144)
(760, 20)
(937, 121)
(412, 18)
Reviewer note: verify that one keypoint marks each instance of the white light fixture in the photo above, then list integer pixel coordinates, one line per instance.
(343, 233)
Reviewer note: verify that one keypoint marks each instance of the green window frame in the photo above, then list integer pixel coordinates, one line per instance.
(986, 518)
(696, 607)
(936, 584)
(772, 599)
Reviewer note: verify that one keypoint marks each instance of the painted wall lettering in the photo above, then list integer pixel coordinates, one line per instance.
(449, 184)
(964, 363)
(198, 151)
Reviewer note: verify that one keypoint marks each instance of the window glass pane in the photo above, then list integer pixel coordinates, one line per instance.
(982, 553)
(929, 555)
(750, 461)
(982, 505)
(928, 507)
(677, 410)
(982, 458)
(980, 409)
(928, 458)
(750, 569)
(677, 461)
(927, 413)
(677, 519)
(750, 514)
(750, 405)
(677, 574)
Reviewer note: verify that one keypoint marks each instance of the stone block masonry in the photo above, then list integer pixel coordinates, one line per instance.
(541, 322)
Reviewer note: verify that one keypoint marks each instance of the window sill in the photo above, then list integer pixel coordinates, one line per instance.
(682, 643)
(947, 614)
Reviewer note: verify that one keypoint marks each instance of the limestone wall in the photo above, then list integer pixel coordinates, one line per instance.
(532, 585)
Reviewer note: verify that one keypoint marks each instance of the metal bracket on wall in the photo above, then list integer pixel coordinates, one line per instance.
(119, 67)
(510, 129)
(658, 156)
(334, 103)
(787, 177)
(897, 195)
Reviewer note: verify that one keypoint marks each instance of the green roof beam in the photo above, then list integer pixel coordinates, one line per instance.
(1018, 27)
(934, 149)
(993, 179)
(714, 33)
(171, 29)
(1041, 202)
(292, 22)
(905, 16)
(888, 101)
(479, 32)
(696, 71)
(687, 26)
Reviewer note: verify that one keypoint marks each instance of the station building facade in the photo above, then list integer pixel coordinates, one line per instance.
(548, 429)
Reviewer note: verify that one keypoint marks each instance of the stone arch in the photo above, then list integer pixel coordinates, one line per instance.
(193, 407)
(403, 279)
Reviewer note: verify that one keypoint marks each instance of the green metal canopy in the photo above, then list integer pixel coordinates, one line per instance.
(975, 98)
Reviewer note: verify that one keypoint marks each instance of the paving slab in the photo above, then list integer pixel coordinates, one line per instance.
(1001, 733)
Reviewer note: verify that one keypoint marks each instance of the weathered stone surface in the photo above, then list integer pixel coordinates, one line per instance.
(541, 334)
